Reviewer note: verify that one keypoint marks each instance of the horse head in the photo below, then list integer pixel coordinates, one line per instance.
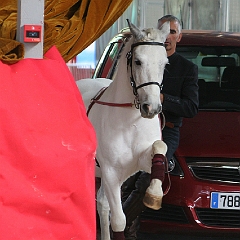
(147, 60)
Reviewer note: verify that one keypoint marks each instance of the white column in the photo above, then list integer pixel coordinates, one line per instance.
(31, 12)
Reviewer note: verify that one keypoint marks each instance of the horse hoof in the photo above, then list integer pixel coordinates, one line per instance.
(151, 201)
(159, 147)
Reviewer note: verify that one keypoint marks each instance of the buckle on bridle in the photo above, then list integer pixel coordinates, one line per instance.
(136, 102)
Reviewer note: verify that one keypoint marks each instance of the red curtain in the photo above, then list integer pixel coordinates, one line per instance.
(47, 150)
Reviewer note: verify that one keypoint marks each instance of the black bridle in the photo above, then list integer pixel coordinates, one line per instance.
(129, 62)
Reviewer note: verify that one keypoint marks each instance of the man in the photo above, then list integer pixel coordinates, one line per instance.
(179, 98)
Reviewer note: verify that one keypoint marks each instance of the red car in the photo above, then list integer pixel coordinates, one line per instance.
(204, 197)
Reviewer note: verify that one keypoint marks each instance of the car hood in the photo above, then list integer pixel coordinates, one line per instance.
(210, 134)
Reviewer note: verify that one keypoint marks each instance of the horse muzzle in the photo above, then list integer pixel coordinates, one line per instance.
(147, 110)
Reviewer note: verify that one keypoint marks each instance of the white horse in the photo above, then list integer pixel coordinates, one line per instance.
(127, 140)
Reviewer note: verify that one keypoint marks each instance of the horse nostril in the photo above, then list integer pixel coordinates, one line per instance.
(145, 107)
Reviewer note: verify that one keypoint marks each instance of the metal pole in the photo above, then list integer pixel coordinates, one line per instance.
(31, 13)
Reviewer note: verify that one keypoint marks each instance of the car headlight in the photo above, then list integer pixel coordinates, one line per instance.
(174, 167)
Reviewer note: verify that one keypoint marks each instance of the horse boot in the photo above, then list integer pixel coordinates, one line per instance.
(118, 235)
(133, 206)
(154, 194)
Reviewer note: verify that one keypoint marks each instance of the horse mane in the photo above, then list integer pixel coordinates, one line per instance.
(152, 34)
(121, 58)
(128, 42)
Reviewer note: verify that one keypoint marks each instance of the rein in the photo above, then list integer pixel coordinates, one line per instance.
(98, 96)
(100, 93)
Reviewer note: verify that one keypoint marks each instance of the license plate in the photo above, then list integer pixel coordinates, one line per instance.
(225, 200)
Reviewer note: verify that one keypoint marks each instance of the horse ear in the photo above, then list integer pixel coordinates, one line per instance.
(137, 33)
(165, 30)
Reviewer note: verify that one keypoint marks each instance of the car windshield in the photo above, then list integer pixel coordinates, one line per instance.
(219, 76)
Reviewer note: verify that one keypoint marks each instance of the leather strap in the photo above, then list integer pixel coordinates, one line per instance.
(98, 96)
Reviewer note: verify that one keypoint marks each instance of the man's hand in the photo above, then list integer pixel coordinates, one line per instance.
(161, 97)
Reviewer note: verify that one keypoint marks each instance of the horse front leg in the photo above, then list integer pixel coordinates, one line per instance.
(117, 219)
(154, 193)
(103, 211)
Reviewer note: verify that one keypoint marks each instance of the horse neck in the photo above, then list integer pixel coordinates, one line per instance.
(121, 85)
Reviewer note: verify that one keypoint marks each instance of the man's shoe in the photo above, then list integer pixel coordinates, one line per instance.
(130, 232)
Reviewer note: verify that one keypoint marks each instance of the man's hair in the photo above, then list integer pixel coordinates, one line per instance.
(171, 18)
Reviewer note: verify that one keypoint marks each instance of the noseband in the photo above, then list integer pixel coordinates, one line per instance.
(129, 63)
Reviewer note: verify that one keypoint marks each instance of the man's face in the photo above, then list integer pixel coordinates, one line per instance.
(173, 38)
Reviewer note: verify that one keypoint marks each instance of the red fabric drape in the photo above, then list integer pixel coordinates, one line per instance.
(47, 150)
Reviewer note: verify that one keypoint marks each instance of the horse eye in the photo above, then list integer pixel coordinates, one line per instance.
(138, 62)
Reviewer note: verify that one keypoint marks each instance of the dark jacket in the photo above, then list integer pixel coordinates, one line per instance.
(180, 89)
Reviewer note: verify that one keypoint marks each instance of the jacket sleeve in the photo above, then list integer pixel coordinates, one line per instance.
(187, 104)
